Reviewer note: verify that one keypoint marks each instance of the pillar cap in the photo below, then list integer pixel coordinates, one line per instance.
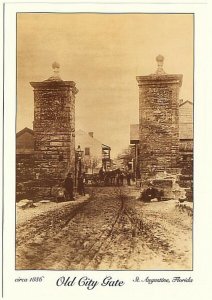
(160, 80)
(55, 84)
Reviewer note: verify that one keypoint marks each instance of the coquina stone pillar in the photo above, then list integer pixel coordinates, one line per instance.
(159, 121)
(54, 131)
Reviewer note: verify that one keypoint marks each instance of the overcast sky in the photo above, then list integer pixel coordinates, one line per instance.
(103, 54)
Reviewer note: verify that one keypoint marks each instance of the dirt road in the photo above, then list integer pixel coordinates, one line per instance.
(111, 231)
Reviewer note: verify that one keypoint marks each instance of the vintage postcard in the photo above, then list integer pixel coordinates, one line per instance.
(102, 151)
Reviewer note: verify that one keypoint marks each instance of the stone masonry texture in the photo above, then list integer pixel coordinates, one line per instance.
(54, 133)
(159, 123)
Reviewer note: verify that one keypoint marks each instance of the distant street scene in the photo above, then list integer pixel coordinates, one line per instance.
(104, 150)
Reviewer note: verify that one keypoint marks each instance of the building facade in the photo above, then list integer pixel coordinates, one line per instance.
(186, 147)
(94, 152)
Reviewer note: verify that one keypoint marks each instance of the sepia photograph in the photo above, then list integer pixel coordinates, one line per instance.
(104, 141)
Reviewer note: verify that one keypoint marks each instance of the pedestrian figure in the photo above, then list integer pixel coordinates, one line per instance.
(101, 174)
(69, 186)
(121, 177)
(81, 185)
(151, 193)
(128, 178)
(117, 178)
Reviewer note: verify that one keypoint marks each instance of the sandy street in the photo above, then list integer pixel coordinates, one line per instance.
(109, 231)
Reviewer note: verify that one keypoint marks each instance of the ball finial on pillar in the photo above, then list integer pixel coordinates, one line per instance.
(160, 60)
(55, 65)
(56, 69)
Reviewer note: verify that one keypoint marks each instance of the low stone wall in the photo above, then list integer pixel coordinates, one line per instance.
(24, 175)
(30, 187)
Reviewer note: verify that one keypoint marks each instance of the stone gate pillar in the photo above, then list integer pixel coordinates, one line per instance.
(159, 121)
(54, 131)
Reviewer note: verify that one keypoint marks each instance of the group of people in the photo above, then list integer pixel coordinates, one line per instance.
(121, 176)
(115, 177)
(147, 194)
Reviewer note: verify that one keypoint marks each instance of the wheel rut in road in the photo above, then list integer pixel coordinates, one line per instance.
(105, 233)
